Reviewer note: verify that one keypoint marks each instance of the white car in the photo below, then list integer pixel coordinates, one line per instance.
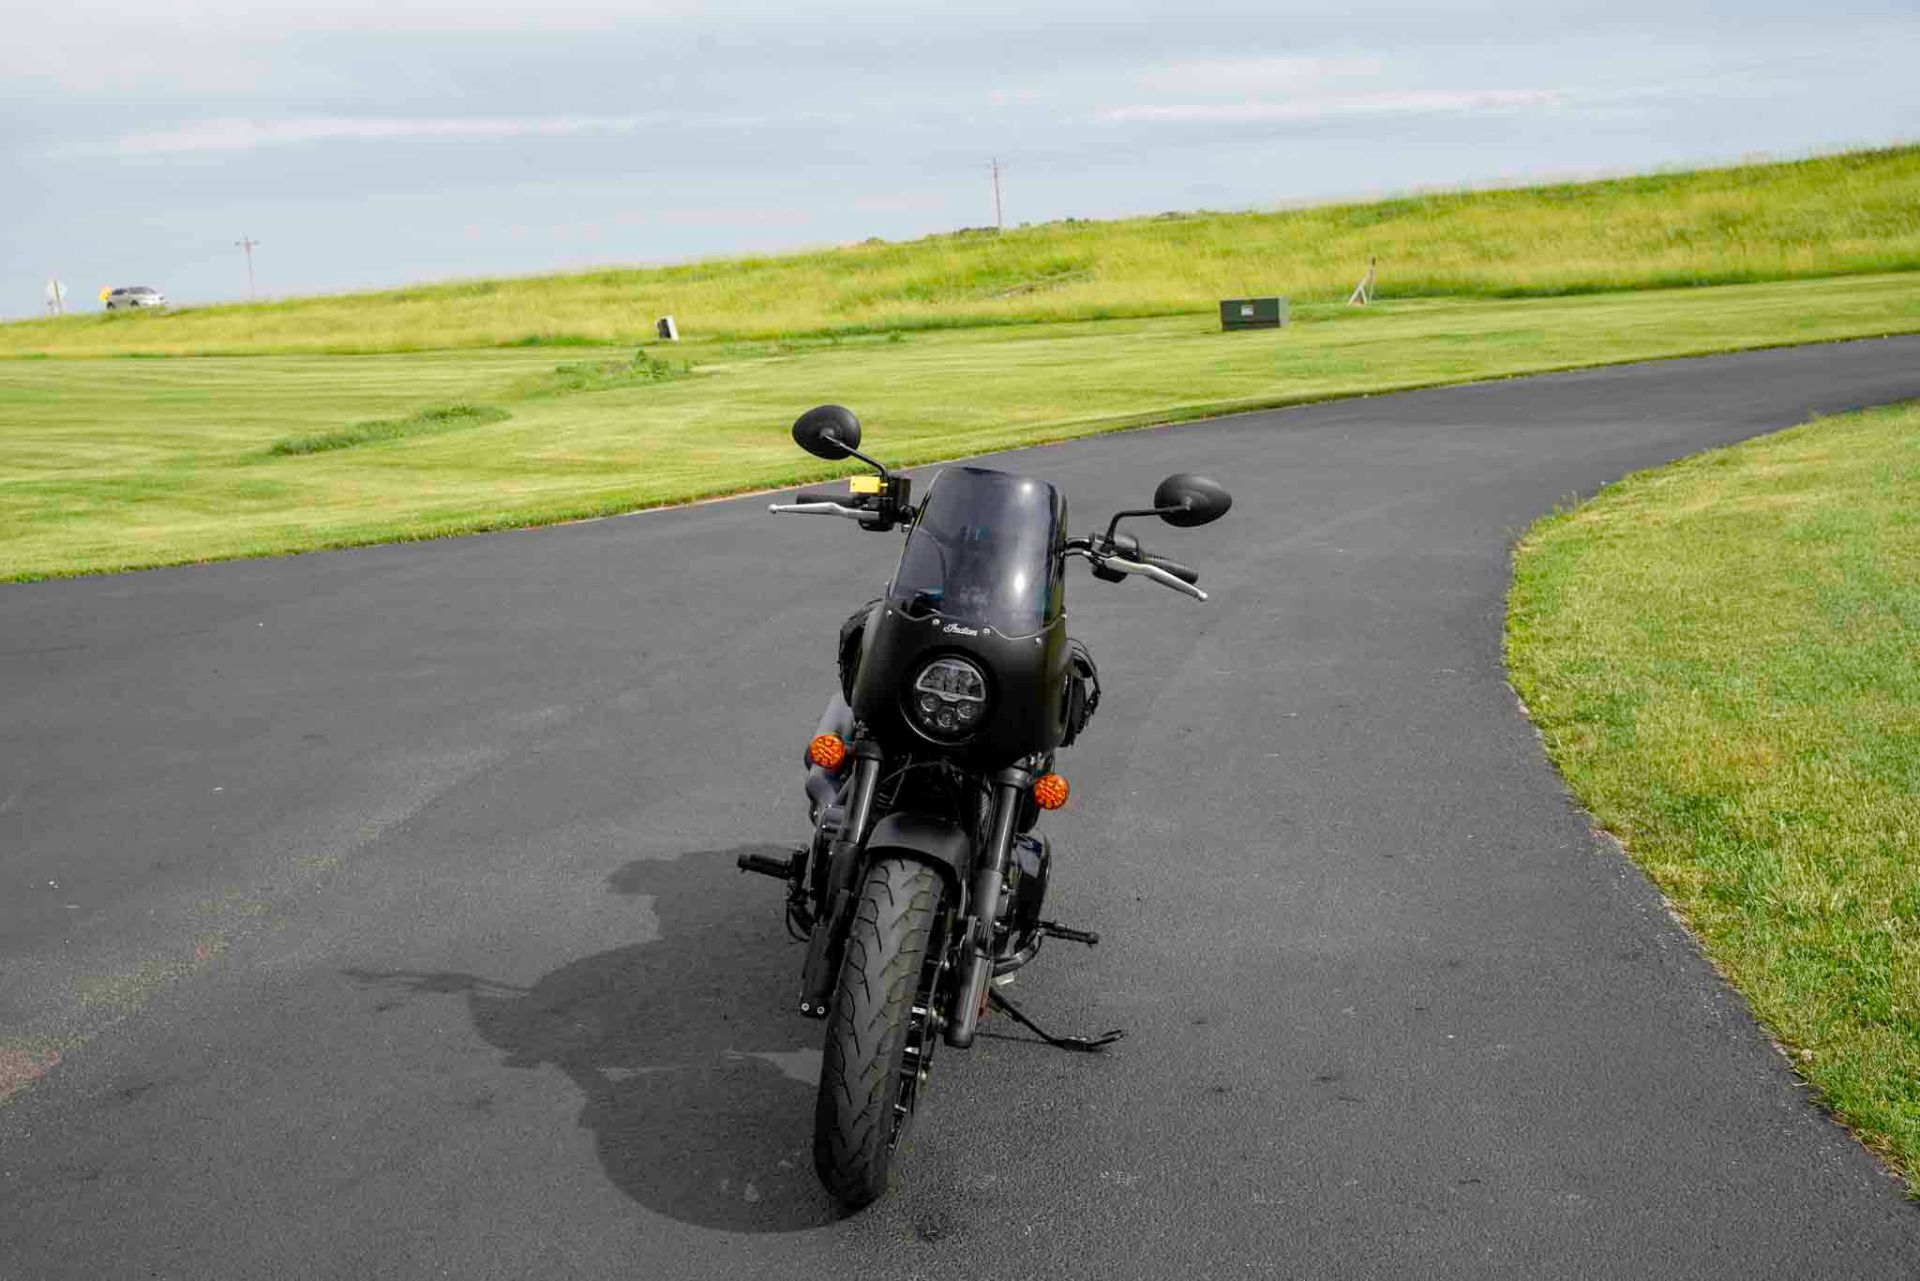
(133, 298)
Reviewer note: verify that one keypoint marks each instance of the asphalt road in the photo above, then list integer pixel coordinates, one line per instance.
(373, 914)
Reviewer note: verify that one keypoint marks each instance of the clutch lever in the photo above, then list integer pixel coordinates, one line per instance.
(820, 509)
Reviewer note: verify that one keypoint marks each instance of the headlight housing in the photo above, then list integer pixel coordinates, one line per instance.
(948, 699)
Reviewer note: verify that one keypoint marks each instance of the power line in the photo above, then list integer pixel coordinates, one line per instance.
(249, 245)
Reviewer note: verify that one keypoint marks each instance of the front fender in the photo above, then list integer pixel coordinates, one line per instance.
(939, 842)
(929, 838)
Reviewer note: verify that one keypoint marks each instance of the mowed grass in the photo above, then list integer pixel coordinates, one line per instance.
(114, 464)
(1847, 214)
(424, 422)
(1724, 658)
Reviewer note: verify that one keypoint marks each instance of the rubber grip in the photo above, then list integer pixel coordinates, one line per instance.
(1191, 577)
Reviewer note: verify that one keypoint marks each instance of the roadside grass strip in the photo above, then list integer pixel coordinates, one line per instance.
(1723, 658)
(426, 422)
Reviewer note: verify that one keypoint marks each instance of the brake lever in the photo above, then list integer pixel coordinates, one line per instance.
(1114, 568)
(1157, 574)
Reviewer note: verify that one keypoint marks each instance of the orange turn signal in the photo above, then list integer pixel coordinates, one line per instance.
(828, 752)
(1050, 790)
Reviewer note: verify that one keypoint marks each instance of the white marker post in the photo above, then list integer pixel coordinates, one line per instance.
(56, 297)
(1363, 292)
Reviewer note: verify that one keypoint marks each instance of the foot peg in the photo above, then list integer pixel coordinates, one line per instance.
(790, 868)
(1080, 1044)
(1053, 929)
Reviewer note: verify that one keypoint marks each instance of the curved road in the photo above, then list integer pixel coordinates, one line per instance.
(374, 913)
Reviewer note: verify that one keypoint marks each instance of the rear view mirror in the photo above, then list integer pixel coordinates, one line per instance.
(828, 431)
(1187, 500)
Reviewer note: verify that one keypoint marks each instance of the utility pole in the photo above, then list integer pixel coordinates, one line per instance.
(248, 245)
(999, 219)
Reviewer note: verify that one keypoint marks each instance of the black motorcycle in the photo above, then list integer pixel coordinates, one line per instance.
(924, 883)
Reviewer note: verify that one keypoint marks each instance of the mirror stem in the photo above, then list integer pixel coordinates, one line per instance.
(1143, 511)
(884, 473)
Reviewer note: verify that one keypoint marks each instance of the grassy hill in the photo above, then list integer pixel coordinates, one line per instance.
(1836, 215)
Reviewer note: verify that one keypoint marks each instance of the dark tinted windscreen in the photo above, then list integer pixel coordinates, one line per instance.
(982, 552)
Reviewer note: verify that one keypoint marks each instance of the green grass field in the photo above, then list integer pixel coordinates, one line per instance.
(1724, 659)
(1848, 214)
(113, 464)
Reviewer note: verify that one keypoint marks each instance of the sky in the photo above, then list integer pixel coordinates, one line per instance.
(380, 142)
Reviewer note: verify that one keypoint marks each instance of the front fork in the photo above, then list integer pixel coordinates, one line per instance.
(989, 875)
(843, 863)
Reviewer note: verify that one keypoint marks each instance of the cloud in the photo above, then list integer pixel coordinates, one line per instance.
(109, 45)
(1283, 90)
(735, 217)
(248, 135)
(1418, 102)
(1255, 75)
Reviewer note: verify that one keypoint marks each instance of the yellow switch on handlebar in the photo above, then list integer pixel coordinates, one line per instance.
(864, 484)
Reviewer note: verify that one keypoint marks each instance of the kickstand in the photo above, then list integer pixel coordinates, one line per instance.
(1082, 1044)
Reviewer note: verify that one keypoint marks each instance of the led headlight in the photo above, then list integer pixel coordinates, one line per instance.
(949, 698)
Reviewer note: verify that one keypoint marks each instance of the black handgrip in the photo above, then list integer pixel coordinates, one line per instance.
(1191, 577)
(822, 496)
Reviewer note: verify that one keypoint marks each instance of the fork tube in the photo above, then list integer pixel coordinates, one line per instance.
(843, 865)
(867, 758)
(988, 877)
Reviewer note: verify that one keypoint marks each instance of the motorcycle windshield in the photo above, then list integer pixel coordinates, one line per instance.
(985, 552)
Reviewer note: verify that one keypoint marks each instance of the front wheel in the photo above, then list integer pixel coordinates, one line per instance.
(880, 1029)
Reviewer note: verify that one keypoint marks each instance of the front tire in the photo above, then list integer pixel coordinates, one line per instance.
(879, 1030)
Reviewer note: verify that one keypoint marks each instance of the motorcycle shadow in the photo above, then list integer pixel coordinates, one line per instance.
(698, 1081)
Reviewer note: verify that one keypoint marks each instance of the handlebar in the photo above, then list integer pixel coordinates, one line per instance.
(1111, 559)
(1120, 559)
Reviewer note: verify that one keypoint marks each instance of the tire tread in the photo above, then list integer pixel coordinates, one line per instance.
(873, 1000)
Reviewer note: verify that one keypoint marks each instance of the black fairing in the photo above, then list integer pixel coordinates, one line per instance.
(981, 576)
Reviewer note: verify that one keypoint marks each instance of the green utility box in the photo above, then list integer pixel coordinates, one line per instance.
(1253, 313)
